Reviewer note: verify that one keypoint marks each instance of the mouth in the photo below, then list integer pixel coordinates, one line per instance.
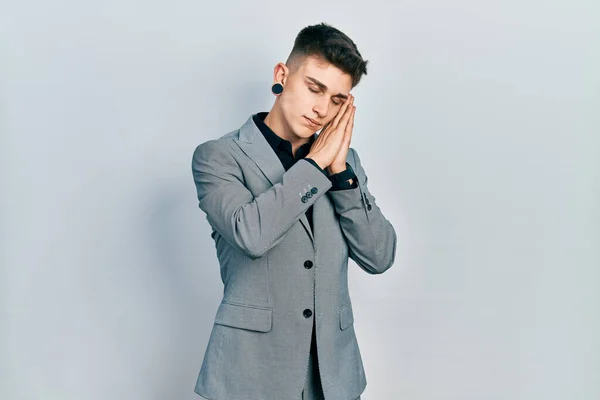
(312, 122)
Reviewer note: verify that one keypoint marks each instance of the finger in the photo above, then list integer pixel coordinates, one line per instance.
(346, 117)
(349, 128)
(342, 110)
(324, 129)
(350, 124)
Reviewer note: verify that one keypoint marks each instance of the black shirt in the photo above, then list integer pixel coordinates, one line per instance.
(283, 150)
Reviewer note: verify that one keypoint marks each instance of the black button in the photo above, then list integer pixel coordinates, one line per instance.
(308, 264)
(304, 199)
(308, 194)
(307, 313)
(314, 190)
(369, 207)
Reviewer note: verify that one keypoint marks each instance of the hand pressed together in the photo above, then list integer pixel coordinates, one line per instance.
(330, 149)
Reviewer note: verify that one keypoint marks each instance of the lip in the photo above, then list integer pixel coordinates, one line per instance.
(312, 123)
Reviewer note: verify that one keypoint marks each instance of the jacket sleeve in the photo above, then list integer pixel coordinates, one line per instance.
(335, 185)
(343, 185)
(252, 225)
(370, 236)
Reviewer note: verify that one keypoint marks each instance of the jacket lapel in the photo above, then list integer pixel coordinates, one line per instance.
(254, 144)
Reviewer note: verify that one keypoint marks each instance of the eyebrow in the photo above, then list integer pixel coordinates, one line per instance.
(324, 87)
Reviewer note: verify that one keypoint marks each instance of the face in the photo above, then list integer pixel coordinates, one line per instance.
(316, 90)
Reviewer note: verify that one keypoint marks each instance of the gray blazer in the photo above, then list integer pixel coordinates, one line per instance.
(278, 274)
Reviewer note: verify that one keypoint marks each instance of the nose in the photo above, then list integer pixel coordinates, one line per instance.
(321, 108)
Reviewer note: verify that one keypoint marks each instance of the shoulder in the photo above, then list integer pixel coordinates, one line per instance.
(216, 157)
(214, 149)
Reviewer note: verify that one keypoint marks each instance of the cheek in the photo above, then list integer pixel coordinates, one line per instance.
(292, 111)
(332, 113)
(296, 104)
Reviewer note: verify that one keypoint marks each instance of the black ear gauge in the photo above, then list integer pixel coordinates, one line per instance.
(277, 88)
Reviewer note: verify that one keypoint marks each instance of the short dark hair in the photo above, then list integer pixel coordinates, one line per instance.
(330, 44)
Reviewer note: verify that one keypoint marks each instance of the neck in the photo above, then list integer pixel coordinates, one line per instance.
(275, 121)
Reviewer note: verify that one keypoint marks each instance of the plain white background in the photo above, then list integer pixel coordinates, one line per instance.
(477, 124)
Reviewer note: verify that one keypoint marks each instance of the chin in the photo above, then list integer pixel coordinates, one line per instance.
(303, 130)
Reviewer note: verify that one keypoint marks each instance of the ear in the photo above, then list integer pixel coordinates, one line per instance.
(280, 73)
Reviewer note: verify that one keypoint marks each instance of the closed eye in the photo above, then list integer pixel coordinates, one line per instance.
(316, 91)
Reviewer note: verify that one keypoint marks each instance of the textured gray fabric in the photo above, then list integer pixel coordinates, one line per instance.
(274, 268)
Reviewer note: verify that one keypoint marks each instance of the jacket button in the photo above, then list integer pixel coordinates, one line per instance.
(307, 313)
(308, 194)
(304, 199)
(367, 201)
(308, 264)
(314, 190)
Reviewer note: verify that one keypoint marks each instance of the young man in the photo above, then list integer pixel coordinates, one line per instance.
(288, 208)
